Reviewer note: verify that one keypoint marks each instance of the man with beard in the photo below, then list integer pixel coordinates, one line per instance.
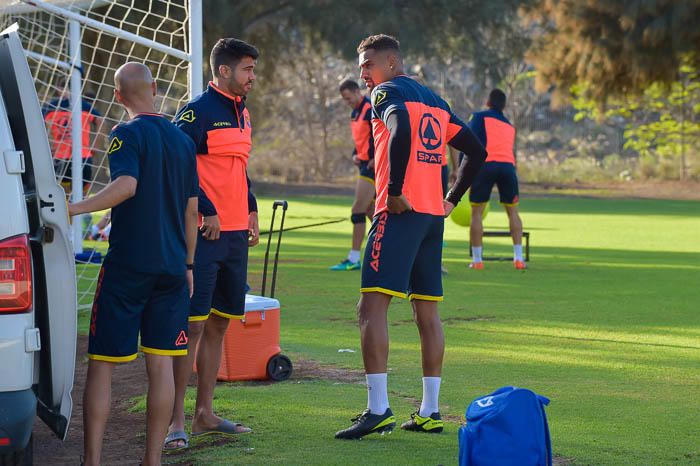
(219, 124)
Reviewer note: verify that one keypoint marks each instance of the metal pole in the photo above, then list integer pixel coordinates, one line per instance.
(196, 68)
(51, 61)
(76, 131)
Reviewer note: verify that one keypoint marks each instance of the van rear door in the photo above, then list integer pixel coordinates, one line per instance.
(52, 253)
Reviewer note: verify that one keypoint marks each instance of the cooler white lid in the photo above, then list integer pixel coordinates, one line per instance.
(260, 303)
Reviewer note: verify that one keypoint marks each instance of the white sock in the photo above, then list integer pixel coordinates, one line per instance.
(431, 393)
(517, 252)
(476, 253)
(354, 255)
(377, 397)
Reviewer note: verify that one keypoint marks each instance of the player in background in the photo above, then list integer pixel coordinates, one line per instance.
(58, 120)
(412, 127)
(497, 134)
(363, 158)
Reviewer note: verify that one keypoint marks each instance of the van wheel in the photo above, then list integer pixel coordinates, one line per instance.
(23, 457)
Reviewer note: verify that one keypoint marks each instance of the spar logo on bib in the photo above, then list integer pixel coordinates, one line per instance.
(430, 134)
(429, 157)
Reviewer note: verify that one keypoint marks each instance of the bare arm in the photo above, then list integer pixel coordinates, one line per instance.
(113, 194)
(191, 219)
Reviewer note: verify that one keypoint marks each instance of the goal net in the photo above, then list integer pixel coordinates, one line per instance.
(73, 48)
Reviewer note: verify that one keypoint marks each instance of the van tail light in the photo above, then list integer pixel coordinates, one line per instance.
(15, 275)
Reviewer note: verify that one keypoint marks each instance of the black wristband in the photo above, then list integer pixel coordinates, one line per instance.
(189, 266)
(393, 191)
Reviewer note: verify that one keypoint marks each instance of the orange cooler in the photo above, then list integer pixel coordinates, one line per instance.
(251, 348)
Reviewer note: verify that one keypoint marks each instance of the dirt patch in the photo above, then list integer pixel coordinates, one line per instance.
(123, 443)
(670, 190)
(124, 439)
(306, 369)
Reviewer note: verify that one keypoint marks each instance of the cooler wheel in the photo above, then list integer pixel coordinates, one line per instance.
(279, 368)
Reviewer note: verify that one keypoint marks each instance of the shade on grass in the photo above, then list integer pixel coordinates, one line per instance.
(605, 323)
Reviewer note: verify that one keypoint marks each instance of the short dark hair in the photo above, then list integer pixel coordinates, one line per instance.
(497, 99)
(379, 42)
(349, 85)
(229, 51)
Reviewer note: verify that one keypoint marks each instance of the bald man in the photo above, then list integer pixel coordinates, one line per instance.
(145, 283)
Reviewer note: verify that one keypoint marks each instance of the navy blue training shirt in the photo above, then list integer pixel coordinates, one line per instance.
(148, 230)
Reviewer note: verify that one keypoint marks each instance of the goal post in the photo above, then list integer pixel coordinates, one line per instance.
(73, 48)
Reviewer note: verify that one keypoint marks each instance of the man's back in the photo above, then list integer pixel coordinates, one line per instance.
(432, 126)
(496, 133)
(148, 229)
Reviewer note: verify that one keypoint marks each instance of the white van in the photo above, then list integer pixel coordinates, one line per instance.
(38, 304)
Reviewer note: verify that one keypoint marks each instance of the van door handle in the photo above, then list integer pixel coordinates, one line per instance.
(14, 162)
(32, 340)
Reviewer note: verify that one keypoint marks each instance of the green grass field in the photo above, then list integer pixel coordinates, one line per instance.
(605, 323)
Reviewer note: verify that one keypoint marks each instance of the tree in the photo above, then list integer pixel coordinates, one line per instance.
(618, 47)
(662, 124)
(488, 33)
(307, 48)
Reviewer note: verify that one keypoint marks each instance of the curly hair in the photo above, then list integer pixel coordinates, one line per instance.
(379, 42)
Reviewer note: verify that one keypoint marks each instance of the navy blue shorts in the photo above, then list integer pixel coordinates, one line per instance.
(501, 174)
(365, 172)
(403, 255)
(128, 303)
(220, 272)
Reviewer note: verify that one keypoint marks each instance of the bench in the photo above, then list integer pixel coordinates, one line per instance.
(504, 234)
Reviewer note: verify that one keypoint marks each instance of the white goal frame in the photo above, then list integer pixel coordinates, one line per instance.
(75, 22)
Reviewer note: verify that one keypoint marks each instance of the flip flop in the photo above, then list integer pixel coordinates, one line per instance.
(174, 437)
(225, 428)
